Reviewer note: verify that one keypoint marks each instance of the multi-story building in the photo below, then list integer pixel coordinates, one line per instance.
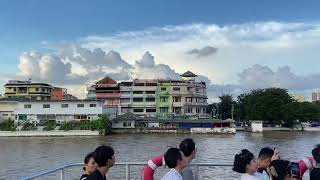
(164, 98)
(7, 110)
(60, 111)
(27, 90)
(299, 97)
(108, 90)
(58, 93)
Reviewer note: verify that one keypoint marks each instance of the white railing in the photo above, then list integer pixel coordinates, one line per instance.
(127, 165)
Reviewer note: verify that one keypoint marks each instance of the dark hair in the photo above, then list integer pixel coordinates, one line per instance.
(172, 156)
(316, 154)
(87, 159)
(187, 146)
(282, 168)
(102, 154)
(241, 160)
(266, 153)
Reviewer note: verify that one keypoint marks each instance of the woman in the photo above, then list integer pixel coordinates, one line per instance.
(245, 163)
(90, 166)
(280, 170)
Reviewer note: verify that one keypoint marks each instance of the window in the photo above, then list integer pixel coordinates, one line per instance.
(163, 89)
(137, 110)
(198, 110)
(64, 105)
(137, 99)
(150, 92)
(80, 105)
(189, 88)
(37, 89)
(176, 89)
(163, 99)
(139, 84)
(137, 92)
(189, 109)
(4, 114)
(164, 109)
(46, 105)
(151, 84)
(27, 106)
(150, 99)
(189, 100)
(176, 99)
(80, 117)
(93, 105)
(197, 90)
(126, 124)
(151, 110)
(42, 89)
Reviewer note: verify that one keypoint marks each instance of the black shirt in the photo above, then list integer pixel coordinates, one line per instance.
(96, 176)
(84, 177)
(315, 174)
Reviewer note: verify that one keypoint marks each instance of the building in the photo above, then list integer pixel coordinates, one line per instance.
(60, 111)
(164, 98)
(7, 110)
(107, 90)
(314, 96)
(58, 93)
(299, 97)
(27, 90)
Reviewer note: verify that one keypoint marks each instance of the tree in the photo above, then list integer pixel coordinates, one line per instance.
(7, 125)
(103, 124)
(225, 106)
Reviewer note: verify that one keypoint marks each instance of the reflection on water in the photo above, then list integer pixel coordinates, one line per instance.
(24, 156)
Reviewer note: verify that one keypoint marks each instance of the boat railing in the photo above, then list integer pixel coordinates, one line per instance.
(61, 169)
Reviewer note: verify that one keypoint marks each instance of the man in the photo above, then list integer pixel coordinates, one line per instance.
(104, 157)
(175, 161)
(315, 172)
(265, 157)
(188, 148)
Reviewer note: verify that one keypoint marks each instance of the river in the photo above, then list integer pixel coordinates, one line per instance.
(24, 156)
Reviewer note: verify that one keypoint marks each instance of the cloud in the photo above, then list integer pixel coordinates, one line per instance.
(205, 51)
(251, 55)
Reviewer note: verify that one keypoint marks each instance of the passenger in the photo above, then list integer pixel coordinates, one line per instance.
(280, 170)
(188, 148)
(104, 157)
(175, 161)
(315, 172)
(265, 157)
(90, 166)
(245, 163)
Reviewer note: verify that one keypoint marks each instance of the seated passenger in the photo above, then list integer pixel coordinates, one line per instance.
(245, 163)
(104, 157)
(315, 172)
(90, 166)
(175, 161)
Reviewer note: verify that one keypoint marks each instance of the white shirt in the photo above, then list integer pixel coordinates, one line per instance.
(173, 174)
(255, 176)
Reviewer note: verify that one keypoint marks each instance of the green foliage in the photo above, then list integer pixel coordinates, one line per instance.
(103, 124)
(28, 126)
(49, 125)
(7, 125)
(225, 106)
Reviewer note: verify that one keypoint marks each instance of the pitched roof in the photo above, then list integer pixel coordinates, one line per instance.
(106, 80)
(188, 74)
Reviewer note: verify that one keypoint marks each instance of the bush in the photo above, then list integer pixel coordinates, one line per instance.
(28, 126)
(49, 125)
(103, 124)
(7, 125)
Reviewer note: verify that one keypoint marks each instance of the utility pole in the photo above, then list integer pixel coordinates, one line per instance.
(232, 110)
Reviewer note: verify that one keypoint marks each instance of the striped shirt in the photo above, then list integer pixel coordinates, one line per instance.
(173, 174)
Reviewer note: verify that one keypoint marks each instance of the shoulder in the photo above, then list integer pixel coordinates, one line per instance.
(255, 176)
(187, 174)
(84, 177)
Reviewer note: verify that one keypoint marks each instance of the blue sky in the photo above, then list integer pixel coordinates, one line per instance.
(25, 25)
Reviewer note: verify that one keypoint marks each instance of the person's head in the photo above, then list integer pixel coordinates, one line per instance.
(174, 159)
(316, 154)
(89, 163)
(280, 170)
(104, 156)
(188, 148)
(265, 156)
(244, 162)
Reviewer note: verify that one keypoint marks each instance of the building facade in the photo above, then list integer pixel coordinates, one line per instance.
(27, 90)
(7, 110)
(59, 111)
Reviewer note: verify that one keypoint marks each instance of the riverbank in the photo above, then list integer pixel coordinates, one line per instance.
(55, 133)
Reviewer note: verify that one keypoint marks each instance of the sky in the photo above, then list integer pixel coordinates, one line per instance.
(234, 46)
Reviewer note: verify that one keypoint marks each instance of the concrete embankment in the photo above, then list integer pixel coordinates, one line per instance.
(47, 133)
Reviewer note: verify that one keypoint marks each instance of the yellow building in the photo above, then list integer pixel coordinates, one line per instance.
(27, 90)
(299, 97)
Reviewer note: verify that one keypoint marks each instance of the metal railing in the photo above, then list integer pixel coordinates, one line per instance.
(127, 165)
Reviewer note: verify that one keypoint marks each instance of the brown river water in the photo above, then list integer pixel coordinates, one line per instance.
(25, 156)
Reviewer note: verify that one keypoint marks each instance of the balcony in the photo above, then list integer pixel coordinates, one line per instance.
(196, 104)
(107, 95)
(177, 104)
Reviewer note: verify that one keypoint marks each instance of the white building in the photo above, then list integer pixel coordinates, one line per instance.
(60, 111)
(7, 110)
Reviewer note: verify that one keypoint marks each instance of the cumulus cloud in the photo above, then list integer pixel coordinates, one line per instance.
(205, 51)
